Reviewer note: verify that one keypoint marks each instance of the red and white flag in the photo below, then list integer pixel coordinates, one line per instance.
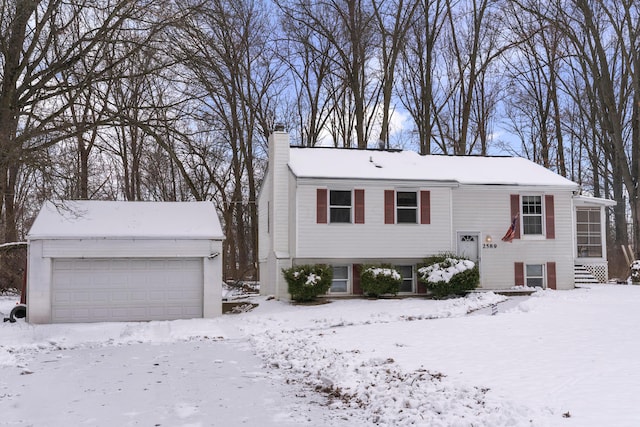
(511, 232)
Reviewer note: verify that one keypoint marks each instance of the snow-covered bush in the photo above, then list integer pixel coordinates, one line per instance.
(380, 279)
(306, 282)
(635, 272)
(448, 274)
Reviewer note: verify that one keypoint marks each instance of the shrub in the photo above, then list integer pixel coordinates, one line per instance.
(635, 272)
(448, 274)
(378, 280)
(306, 282)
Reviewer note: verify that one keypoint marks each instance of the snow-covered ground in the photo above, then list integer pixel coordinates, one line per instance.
(557, 358)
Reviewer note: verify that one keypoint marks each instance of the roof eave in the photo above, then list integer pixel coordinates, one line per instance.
(123, 237)
(594, 200)
(452, 183)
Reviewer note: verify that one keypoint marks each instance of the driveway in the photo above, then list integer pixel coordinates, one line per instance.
(204, 382)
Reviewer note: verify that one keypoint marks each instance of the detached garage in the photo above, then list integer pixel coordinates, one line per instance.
(100, 261)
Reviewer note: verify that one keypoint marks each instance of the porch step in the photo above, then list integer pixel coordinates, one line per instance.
(583, 276)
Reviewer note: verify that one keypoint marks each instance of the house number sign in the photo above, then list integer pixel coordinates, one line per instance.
(489, 245)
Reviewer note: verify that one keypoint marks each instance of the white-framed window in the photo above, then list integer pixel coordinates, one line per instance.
(406, 271)
(340, 206)
(340, 282)
(406, 207)
(588, 232)
(532, 218)
(534, 275)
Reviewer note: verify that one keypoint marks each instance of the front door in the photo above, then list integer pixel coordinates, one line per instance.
(469, 246)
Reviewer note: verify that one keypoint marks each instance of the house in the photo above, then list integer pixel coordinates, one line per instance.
(94, 261)
(346, 208)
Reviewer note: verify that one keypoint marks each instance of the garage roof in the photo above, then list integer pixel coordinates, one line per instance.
(118, 220)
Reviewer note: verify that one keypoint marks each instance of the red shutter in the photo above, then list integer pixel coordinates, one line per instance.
(549, 213)
(356, 289)
(389, 206)
(515, 210)
(425, 207)
(359, 203)
(422, 288)
(551, 275)
(519, 273)
(321, 206)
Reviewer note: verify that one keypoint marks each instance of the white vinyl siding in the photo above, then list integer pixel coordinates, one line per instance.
(265, 216)
(487, 209)
(465, 208)
(374, 238)
(127, 248)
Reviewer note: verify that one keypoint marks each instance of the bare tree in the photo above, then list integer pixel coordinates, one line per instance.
(346, 28)
(417, 80)
(613, 91)
(393, 20)
(229, 60)
(474, 41)
(534, 76)
(308, 56)
(604, 40)
(38, 42)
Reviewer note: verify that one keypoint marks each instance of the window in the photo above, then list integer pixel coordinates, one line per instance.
(340, 206)
(407, 207)
(532, 215)
(406, 271)
(534, 275)
(340, 283)
(589, 237)
(402, 207)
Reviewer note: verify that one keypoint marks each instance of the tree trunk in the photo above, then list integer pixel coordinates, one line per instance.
(10, 149)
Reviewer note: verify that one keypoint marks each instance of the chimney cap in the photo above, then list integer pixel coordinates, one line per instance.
(279, 127)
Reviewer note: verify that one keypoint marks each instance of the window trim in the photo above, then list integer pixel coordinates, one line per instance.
(588, 234)
(330, 206)
(422, 207)
(413, 278)
(543, 276)
(415, 208)
(523, 234)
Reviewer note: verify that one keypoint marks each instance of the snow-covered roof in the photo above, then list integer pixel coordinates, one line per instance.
(409, 165)
(117, 220)
(584, 199)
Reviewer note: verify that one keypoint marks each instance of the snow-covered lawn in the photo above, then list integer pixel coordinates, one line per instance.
(557, 358)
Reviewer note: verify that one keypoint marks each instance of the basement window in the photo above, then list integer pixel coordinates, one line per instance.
(534, 275)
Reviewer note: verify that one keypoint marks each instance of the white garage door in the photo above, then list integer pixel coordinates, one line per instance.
(97, 290)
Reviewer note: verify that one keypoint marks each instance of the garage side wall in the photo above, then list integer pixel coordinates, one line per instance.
(212, 270)
(39, 284)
